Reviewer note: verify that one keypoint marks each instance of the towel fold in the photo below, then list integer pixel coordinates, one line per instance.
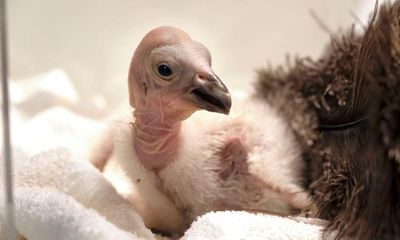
(231, 225)
(52, 187)
(46, 213)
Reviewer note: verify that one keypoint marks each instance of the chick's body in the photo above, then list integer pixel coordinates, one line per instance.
(174, 165)
(248, 160)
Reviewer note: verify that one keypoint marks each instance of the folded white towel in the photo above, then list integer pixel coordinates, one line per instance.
(231, 225)
(45, 213)
(53, 189)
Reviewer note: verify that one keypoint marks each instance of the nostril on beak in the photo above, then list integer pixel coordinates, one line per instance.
(202, 76)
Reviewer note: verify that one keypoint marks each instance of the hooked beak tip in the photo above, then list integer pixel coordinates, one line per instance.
(212, 95)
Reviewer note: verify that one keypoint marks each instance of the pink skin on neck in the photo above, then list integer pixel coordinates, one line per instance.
(157, 130)
(161, 106)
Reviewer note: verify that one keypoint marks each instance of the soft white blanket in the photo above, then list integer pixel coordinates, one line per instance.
(244, 225)
(59, 195)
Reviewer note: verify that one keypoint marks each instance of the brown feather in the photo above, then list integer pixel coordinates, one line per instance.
(346, 114)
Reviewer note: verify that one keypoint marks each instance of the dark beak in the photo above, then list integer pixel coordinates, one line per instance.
(211, 94)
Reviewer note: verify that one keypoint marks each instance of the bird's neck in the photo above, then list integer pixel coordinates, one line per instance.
(156, 138)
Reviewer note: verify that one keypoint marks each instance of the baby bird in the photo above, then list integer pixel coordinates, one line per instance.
(174, 165)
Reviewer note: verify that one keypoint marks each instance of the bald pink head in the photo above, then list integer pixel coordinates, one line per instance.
(170, 77)
(171, 69)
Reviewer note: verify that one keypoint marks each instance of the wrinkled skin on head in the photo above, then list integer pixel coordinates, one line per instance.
(190, 63)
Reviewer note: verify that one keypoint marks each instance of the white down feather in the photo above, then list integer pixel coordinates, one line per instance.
(191, 186)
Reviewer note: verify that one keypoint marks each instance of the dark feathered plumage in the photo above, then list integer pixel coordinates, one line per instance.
(346, 114)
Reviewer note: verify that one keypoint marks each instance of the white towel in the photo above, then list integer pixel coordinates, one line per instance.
(232, 225)
(46, 213)
(53, 189)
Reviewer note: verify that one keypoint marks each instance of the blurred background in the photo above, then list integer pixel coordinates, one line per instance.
(86, 46)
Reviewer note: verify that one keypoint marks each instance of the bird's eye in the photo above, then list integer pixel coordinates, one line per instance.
(164, 70)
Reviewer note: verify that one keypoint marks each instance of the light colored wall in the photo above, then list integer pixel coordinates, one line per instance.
(93, 40)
